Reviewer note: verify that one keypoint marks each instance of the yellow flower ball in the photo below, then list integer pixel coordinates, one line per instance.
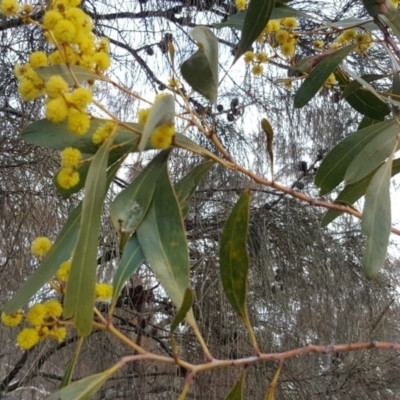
(262, 57)
(173, 83)
(43, 332)
(78, 122)
(162, 137)
(55, 58)
(349, 34)
(81, 97)
(27, 338)
(56, 85)
(9, 7)
(53, 308)
(58, 334)
(36, 314)
(40, 246)
(103, 133)
(76, 16)
(51, 18)
(103, 45)
(71, 157)
(13, 319)
(103, 291)
(38, 59)
(287, 49)
(318, 44)
(289, 23)
(331, 80)
(28, 90)
(56, 110)
(67, 178)
(257, 69)
(240, 5)
(272, 26)
(102, 60)
(64, 31)
(143, 115)
(63, 272)
(282, 36)
(248, 57)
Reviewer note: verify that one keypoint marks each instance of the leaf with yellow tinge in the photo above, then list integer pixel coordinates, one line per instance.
(234, 260)
(187, 303)
(80, 292)
(267, 128)
(236, 392)
(271, 389)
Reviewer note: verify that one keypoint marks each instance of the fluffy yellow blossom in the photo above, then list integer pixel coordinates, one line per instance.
(81, 97)
(67, 178)
(38, 59)
(13, 319)
(289, 23)
(363, 38)
(27, 338)
(71, 56)
(43, 332)
(28, 90)
(341, 40)
(64, 31)
(9, 7)
(56, 85)
(248, 57)
(288, 84)
(56, 110)
(240, 4)
(76, 16)
(19, 71)
(173, 82)
(287, 49)
(103, 291)
(63, 272)
(103, 132)
(162, 137)
(40, 246)
(143, 115)
(78, 122)
(257, 69)
(395, 3)
(27, 8)
(334, 45)
(51, 18)
(103, 45)
(318, 44)
(86, 44)
(58, 334)
(349, 34)
(55, 58)
(102, 60)
(272, 26)
(282, 36)
(53, 308)
(86, 62)
(262, 57)
(71, 157)
(331, 79)
(36, 314)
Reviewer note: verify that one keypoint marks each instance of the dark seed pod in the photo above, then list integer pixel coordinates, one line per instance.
(234, 103)
(220, 107)
(149, 50)
(162, 87)
(230, 117)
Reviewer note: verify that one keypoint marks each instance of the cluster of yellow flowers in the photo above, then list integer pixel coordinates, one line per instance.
(362, 39)
(241, 5)
(257, 59)
(44, 322)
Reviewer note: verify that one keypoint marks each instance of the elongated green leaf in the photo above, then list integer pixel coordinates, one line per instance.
(188, 300)
(376, 220)
(355, 22)
(319, 75)
(132, 259)
(234, 260)
(269, 132)
(80, 293)
(271, 389)
(185, 143)
(188, 184)
(367, 121)
(162, 112)
(66, 380)
(81, 74)
(57, 137)
(354, 85)
(163, 241)
(372, 155)
(257, 16)
(59, 252)
(280, 11)
(131, 205)
(236, 392)
(201, 70)
(85, 388)
(351, 193)
(333, 168)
